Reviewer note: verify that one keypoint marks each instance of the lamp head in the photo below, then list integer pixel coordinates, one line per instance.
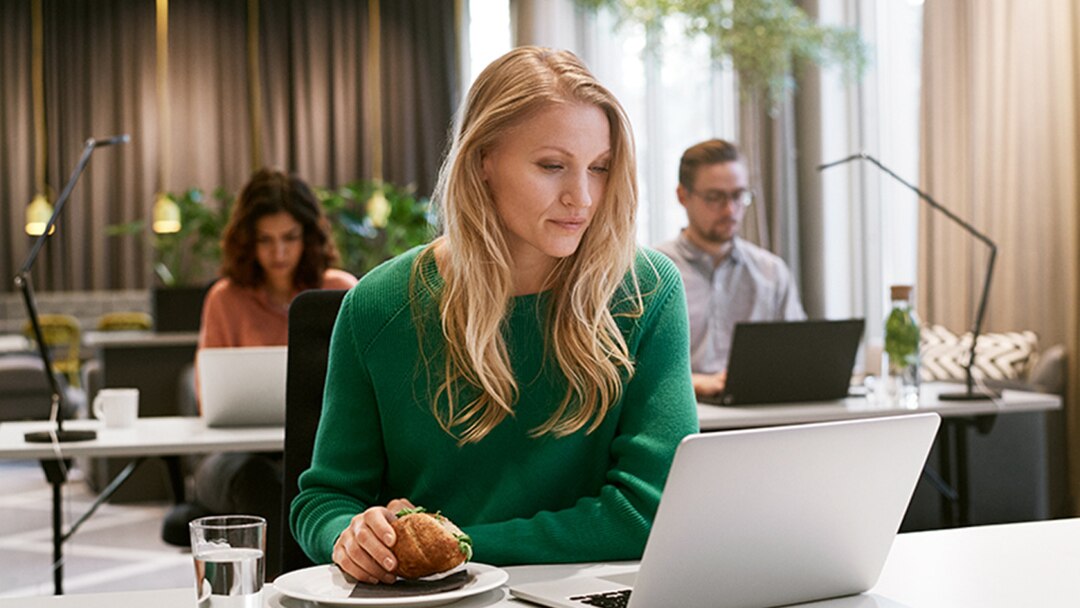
(38, 214)
(165, 215)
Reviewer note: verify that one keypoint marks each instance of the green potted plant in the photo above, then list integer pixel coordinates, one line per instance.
(185, 261)
(373, 221)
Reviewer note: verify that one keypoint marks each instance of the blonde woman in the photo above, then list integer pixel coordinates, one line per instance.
(528, 372)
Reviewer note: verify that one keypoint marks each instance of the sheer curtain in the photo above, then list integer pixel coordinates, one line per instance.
(314, 69)
(1000, 146)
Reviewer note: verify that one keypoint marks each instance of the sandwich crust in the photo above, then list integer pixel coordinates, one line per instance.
(428, 544)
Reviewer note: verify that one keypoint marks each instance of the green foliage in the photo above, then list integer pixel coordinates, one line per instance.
(902, 337)
(368, 229)
(375, 221)
(763, 38)
(190, 256)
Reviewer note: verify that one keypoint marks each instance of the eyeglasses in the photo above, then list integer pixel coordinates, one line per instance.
(718, 198)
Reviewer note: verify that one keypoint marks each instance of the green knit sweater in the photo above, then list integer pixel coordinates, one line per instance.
(584, 497)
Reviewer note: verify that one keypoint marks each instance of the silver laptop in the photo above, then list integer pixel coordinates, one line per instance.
(242, 386)
(768, 517)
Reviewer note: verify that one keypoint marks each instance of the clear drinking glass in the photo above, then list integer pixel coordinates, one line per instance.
(229, 553)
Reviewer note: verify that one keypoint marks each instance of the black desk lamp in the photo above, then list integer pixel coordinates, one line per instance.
(24, 284)
(969, 394)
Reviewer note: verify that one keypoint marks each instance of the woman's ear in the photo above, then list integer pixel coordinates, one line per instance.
(486, 166)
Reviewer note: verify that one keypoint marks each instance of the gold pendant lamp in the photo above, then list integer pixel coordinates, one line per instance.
(378, 208)
(165, 216)
(39, 211)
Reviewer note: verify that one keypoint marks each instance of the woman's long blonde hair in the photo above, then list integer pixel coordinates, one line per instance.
(477, 292)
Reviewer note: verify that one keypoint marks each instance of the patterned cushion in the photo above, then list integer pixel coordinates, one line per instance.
(1004, 356)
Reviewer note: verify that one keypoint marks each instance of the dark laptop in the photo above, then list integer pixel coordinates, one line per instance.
(790, 361)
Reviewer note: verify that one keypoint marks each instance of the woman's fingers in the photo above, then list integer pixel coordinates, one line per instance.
(355, 565)
(363, 549)
(376, 536)
(361, 553)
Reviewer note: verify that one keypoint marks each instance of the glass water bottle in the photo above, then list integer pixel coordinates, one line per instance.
(902, 350)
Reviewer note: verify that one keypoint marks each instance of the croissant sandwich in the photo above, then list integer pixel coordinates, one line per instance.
(428, 544)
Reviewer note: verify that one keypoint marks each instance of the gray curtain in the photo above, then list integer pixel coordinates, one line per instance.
(767, 140)
(315, 112)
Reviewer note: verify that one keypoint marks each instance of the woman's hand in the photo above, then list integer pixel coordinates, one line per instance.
(363, 550)
(709, 385)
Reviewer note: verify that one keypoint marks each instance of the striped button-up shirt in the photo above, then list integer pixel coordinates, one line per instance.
(750, 284)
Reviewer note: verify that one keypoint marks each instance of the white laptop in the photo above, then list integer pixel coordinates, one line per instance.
(769, 517)
(242, 386)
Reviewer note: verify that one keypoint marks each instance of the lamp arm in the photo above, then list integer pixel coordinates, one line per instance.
(24, 284)
(929, 200)
(57, 208)
(979, 315)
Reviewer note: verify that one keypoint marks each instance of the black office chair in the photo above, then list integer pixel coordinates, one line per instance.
(311, 320)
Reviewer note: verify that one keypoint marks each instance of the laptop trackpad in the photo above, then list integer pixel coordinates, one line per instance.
(625, 579)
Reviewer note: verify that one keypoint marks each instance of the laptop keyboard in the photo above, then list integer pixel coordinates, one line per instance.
(610, 599)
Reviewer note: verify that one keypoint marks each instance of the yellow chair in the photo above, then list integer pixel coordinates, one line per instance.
(62, 335)
(125, 321)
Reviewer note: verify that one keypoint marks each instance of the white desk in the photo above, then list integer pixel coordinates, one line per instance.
(952, 478)
(137, 338)
(1008, 566)
(161, 436)
(714, 417)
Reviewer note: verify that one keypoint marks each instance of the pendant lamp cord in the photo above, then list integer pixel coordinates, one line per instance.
(40, 134)
(254, 84)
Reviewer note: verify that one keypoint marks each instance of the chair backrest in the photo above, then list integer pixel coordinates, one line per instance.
(311, 320)
(125, 321)
(62, 334)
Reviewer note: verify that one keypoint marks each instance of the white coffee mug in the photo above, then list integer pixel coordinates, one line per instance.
(118, 407)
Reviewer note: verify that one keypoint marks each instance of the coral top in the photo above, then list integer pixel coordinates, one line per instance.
(244, 316)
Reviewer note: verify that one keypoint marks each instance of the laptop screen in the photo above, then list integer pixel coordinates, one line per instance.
(790, 362)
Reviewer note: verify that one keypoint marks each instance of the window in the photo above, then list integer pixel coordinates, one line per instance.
(675, 95)
(489, 35)
(871, 234)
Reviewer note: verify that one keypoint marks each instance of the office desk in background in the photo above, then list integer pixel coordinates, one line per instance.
(151, 362)
(161, 436)
(951, 446)
(154, 363)
(1030, 564)
(715, 417)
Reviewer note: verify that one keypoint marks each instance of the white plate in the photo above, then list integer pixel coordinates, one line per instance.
(327, 585)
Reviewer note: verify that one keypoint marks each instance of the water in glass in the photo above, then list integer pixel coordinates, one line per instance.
(229, 578)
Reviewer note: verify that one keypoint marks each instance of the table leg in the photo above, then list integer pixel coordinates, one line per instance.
(945, 462)
(56, 474)
(963, 502)
(176, 477)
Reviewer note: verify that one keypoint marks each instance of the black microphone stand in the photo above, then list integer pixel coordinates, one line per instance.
(24, 284)
(969, 394)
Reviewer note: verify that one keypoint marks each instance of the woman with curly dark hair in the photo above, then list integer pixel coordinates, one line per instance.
(276, 245)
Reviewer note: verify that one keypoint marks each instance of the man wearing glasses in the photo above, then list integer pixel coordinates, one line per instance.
(728, 280)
